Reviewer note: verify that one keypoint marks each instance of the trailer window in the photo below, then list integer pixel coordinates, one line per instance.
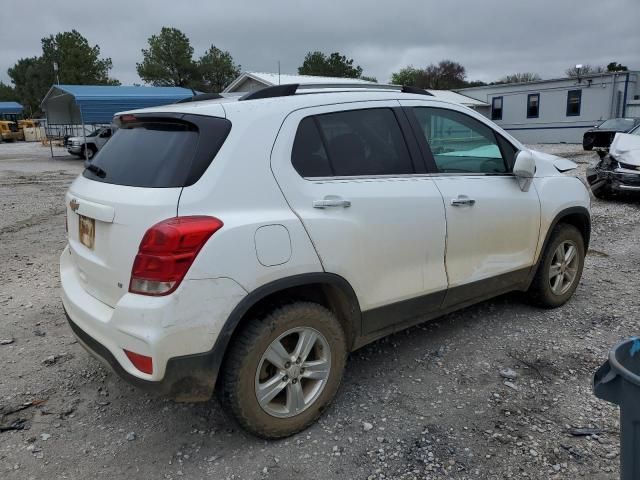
(496, 108)
(574, 99)
(533, 105)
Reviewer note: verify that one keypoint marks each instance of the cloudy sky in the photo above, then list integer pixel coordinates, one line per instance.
(491, 38)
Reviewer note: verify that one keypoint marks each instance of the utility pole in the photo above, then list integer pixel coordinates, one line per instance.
(55, 70)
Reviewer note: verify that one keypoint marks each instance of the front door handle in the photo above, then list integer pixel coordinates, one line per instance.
(462, 201)
(331, 202)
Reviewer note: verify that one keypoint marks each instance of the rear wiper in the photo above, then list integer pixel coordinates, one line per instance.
(96, 169)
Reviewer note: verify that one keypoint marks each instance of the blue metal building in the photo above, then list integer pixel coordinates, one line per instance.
(96, 104)
(10, 108)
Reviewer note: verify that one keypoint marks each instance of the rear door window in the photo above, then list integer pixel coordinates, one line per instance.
(159, 152)
(366, 142)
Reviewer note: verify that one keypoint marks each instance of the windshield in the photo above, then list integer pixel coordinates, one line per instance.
(636, 131)
(617, 124)
(95, 132)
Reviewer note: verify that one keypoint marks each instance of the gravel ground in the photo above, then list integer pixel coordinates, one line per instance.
(494, 391)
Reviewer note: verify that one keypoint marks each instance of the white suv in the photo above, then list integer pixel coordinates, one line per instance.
(250, 244)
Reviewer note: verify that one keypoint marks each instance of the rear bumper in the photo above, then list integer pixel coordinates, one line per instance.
(179, 331)
(189, 378)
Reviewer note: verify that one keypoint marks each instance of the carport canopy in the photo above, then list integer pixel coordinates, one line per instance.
(10, 108)
(96, 104)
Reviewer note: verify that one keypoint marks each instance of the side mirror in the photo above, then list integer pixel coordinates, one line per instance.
(524, 169)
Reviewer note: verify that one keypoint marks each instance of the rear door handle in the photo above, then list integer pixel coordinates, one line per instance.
(331, 202)
(462, 201)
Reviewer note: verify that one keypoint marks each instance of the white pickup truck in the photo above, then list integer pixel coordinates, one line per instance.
(94, 142)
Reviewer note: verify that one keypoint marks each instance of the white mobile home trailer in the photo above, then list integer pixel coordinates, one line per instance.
(560, 110)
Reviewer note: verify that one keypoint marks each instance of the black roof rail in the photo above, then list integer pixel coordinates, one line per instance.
(416, 90)
(292, 88)
(199, 97)
(271, 92)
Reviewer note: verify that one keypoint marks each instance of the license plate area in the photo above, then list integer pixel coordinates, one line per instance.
(87, 231)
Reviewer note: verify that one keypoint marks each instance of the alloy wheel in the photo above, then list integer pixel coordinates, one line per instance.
(292, 372)
(564, 267)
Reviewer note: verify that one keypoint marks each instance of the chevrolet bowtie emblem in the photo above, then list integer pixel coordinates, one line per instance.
(74, 204)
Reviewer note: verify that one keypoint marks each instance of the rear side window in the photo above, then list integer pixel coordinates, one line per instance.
(159, 152)
(309, 156)
(351, 143)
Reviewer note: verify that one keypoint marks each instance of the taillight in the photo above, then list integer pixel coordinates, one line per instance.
(167, 251)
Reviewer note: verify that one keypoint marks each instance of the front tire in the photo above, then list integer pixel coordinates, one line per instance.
(560, 267)
(284, 369)
(88, 153)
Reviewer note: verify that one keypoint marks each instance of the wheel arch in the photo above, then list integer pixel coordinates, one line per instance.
(577, 216)
(327, 289)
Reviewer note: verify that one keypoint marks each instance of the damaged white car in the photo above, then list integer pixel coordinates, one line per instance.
(619, 171)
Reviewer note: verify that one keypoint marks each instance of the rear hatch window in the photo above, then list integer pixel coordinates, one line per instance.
(159, 151)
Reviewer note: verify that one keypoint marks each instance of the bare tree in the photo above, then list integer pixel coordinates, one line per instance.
(585, 69)
(520, 78)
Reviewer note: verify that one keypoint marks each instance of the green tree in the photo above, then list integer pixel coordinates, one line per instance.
(406, 76)
(78, 63)
(168, 61)
(519, 78)
(7, 93)
(445, 75)
(616, 67)
(216, 70)
(31, 78)
(333, 65)
(369, 78)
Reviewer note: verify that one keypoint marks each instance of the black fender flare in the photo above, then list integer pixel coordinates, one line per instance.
(353, 313)
(563, 214)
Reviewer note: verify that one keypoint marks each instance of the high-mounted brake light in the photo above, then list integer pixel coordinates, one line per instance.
(128, 118)
(167, 251)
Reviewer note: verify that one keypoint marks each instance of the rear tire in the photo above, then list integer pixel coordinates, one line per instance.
(560, 268)
(263, 358)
